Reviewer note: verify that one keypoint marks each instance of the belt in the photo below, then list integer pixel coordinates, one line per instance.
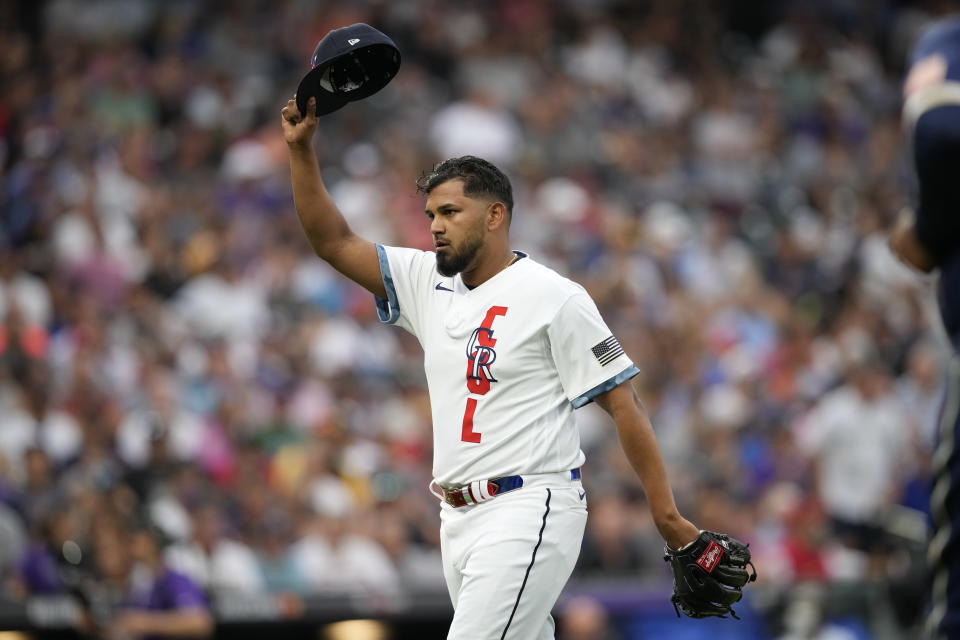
(482, 490)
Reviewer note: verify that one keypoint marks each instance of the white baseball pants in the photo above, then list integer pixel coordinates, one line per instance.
(506, 560)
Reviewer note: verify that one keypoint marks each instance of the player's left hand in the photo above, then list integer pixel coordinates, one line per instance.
(709, 575)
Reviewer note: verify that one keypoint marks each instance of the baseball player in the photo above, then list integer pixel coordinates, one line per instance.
(930, 241)
(511, 348)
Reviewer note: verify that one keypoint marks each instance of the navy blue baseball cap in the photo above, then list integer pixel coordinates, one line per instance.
(350, 63)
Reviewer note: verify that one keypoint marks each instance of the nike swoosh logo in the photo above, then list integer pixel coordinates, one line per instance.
(582, 495)
(440, 287)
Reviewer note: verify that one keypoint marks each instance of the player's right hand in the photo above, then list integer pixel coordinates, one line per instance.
(298, 129)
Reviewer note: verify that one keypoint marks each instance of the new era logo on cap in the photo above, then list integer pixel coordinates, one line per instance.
(353, 41)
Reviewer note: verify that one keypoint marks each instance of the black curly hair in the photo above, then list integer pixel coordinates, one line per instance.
(480, 178)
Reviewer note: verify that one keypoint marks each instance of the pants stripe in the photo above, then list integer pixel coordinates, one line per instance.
(530, 566)
(938, 499)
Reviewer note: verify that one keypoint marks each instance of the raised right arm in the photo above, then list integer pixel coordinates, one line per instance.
(324, 225)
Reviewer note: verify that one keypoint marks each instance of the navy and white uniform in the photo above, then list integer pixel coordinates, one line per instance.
(932, 116)
(507, 362)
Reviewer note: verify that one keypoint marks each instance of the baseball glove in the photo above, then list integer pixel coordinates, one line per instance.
(709, 575)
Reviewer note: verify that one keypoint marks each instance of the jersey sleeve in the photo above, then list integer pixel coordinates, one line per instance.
(588, 357)
(404, 272)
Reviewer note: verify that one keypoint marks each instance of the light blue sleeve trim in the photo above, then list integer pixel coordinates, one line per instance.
(605, 386)
(387, 310)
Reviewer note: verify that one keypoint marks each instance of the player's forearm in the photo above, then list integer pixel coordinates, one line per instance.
(323, 224)
(640, 446)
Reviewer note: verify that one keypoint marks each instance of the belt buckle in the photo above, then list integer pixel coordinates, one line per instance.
(455, 497)
(463, 496)
(448, 497)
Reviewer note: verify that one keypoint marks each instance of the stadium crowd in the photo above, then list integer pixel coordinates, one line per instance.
(173, 358)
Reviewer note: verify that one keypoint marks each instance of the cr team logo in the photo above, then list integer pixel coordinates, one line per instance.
(481, 353)
(480, 356)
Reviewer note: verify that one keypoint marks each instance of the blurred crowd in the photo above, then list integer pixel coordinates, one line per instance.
(173, 358)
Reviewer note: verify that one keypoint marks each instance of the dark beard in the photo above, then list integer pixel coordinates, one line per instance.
(450, 263)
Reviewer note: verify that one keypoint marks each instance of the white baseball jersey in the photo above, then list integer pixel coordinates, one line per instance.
(506, 362)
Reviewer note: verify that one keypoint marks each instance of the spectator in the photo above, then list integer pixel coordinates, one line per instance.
(219, 564)
(610, 546)
(583, 618)
(856, 436)
(50, 564)
(148, 600)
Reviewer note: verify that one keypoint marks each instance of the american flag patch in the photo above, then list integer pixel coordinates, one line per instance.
(607, 351)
